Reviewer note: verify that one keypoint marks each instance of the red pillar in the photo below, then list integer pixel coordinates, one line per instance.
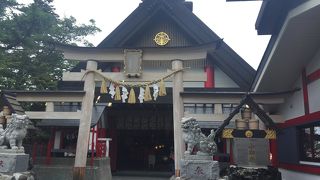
(305, 92)
(274, 152)
(210, 77)
(50, 146)
(224, 146)
(41, 149)
(92, 145)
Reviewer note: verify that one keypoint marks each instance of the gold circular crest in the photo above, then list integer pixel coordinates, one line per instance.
(161, 38)
(249, 134)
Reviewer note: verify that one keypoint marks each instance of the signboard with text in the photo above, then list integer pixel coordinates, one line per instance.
(251, 152)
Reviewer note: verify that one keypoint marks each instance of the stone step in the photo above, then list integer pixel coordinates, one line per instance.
(138, 178)
(157, 174)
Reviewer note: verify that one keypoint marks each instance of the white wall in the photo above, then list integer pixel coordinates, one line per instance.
(222, 80)
(314, 87)
(314, 63)
(293, 106)
(314, 96)
(293, 175)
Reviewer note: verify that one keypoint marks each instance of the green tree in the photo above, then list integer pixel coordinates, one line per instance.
(29, 34)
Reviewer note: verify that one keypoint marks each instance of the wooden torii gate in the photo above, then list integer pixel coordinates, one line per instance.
(92, 55)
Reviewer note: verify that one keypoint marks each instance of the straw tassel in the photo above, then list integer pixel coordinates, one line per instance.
(132, 97)
(162, 88)
(147, 94)
(112, 91)
(103, 89)
(141, 95)
(117, 97)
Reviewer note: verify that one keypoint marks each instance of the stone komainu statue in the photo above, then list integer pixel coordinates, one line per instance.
(196, 141)
(15, 132)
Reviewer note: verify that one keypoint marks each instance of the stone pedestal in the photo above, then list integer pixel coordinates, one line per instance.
(13, 162)
(202, 168)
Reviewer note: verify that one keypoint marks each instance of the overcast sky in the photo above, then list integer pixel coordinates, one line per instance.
(232, 21)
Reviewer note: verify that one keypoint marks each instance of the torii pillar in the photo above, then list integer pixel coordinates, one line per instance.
(85, 122)
(177, 87)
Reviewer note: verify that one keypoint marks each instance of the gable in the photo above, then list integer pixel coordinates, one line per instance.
(175, 10)
(160, 23)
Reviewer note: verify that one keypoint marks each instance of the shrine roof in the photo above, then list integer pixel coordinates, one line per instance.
(177, 10)
(180, 13)
(272, 15)
(9, 99)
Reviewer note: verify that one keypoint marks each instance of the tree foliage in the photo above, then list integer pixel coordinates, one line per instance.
(28, 36)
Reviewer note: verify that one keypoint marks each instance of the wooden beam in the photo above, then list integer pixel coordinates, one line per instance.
(149, 54)
(84, 127)
(188, 76)
(53, 115)
(50, 97)
(177, 88)
(84, 54)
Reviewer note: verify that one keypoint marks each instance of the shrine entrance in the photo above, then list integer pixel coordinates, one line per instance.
(142, 137)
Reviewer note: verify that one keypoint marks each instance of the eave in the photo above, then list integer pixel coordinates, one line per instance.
(295, 45)
(272, 15)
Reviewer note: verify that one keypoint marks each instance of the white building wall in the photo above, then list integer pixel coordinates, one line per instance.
(293, 175)
(314, 87)
(163, 67)
(293, 106)
(314, 96)
(222, 80)
(314, 63)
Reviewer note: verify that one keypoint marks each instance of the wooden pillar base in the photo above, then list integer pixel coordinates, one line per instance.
(177, 172)
(79, 173)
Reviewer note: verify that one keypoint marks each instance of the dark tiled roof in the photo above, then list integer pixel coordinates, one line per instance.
(9, 99)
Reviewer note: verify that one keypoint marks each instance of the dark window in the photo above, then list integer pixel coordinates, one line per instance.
(310, 142)
(67, 106)
(228, 108)
(199, 108)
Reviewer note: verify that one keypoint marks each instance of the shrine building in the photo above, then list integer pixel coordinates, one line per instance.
(291, 62)
(126, 97)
